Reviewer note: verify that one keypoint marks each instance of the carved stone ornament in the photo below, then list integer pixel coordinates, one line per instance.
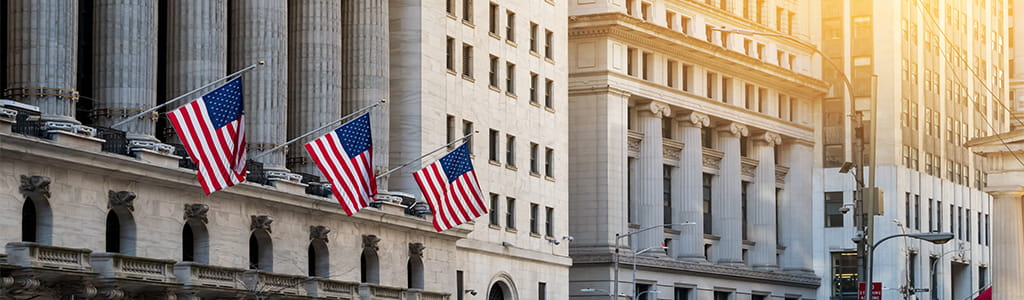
(748, 170)
(698, 120)
(659, 109)
(773, 139)
(634, 144)
(261, 222)
(711, 162)
(416, 249)
(371, 241)
(319, 233)
(110, 292)
(124, 199)
(197, 211)
(74, 289)
(35, 187)
(737, 129)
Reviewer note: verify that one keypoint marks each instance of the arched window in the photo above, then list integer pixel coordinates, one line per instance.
(368, 267)
(414, 271)
(195, 242)
(120, 231)
(502, 288)
(261, 251)
(497, 292)
(319, 260)
(36, 221)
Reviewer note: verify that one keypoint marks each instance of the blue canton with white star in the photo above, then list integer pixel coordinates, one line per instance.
(355, 136)
(456, 163)
(225, 104)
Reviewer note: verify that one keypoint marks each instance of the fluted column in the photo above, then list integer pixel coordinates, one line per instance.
(124, 63)
(42, 56)
(259, 32)
(365, 63)
(650, 172)
(725, 202)
(314, 73)
(763, 208)
(196, 49)
(688, 190)
(795, 214)
(1008, 245)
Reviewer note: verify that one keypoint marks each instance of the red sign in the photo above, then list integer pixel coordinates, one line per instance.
(876, 291)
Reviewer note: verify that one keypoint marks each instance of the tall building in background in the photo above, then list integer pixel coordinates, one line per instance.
(941, 80)
(673, 120)
(92, 211)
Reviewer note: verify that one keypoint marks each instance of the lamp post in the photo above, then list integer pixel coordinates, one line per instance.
(615, 255)
(934, 237)
(635, 296)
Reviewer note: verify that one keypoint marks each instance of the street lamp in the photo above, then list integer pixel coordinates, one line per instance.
(615, 255)
(635, 296)
(934, 237)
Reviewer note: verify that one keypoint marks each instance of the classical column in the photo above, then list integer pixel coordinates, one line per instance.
(365, 64)
(314, 73)
(42, 54)
(191, 23)
(124, 63)
(795, 214)
(650, 173)
(1008, 245)
(688, 190)
(763, 207)
(725, 202)
(259, 32)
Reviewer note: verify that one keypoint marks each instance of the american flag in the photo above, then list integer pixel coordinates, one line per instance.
(345, 157)
(451, 189)
(212, 128)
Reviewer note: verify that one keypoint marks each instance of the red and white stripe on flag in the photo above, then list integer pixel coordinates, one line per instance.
(351, 176)
(453, 200)
(219, 153)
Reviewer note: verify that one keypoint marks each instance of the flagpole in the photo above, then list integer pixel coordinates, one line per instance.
(250, 67)
(361, 110)
(428, 153)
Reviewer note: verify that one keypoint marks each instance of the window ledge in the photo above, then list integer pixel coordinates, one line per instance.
(512, 230)
(494, 88)
(452, 72)
(452, 16)
(511, 95)
(494, 163)
(535, 103)
(536, 235)
(492, 226)
(468, 23)
(549, 109)
(549, 60)
(468, 78)
(511, 167)
(494, 35)
(552, 2)
(534, 53)
(549, 178)
(512, 43)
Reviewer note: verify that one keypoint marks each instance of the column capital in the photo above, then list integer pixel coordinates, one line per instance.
(736, 129)
(659, 109)
(771, 138)
(696, 119)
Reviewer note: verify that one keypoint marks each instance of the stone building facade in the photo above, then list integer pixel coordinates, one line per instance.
(941, 70)
(116, 213)
(675, 121)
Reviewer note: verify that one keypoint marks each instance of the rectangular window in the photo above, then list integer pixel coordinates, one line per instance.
(687, 77)
(467, 11)
(666, 198)
(534, 161)
(982, 277)
(720, 295)
(833, 202)
(549, 40)
(711, 81)
(647, 63)
(749, 96)
(779, 13)
(493, 28)
(542, 291)
(912, 273)
(909, 216)
(549, 93)
(450, 58)
(670, 73)
(510, 213)
(492, 145)
(981, 230)
(789, 22)
(467, 128)
(495, 212)
(549, 162)
(988, 231)
(533, 87)
(510, 78)
(449, 7)
(726, 89)
(645, 11)
(706, 186)
(510, 150)
(467, 60)
(967, 225)
(845, 276)
(681, 293)
(510, 26)
(459, 286)
(932, 224)
(494, 72)
(631, 62)
(670, 18)
(684, 24)
(534, 218)
(762, 100)
(533, 36)
(744, 186)
(917, 212)
(451, 128)
(549, 222)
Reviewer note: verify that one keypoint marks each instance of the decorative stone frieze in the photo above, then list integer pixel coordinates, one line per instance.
(671, 150)
(780, 175)
(711, 158)
(748, 167)
(633, 141)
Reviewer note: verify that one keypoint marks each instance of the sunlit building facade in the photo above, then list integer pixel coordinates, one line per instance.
(941, 70)
(674, 121)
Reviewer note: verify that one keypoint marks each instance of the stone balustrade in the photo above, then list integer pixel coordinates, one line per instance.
(32, 255)
(415, 294)
(382, 292)
(117, 266)
(193, 274)
(274, 283)
(331, 289)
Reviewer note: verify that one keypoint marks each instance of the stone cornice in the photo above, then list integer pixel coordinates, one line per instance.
(119, 167)
(711, 270)
(637, 32)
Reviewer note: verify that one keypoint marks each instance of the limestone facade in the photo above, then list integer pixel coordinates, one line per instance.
(674, 122)
(87, 217)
